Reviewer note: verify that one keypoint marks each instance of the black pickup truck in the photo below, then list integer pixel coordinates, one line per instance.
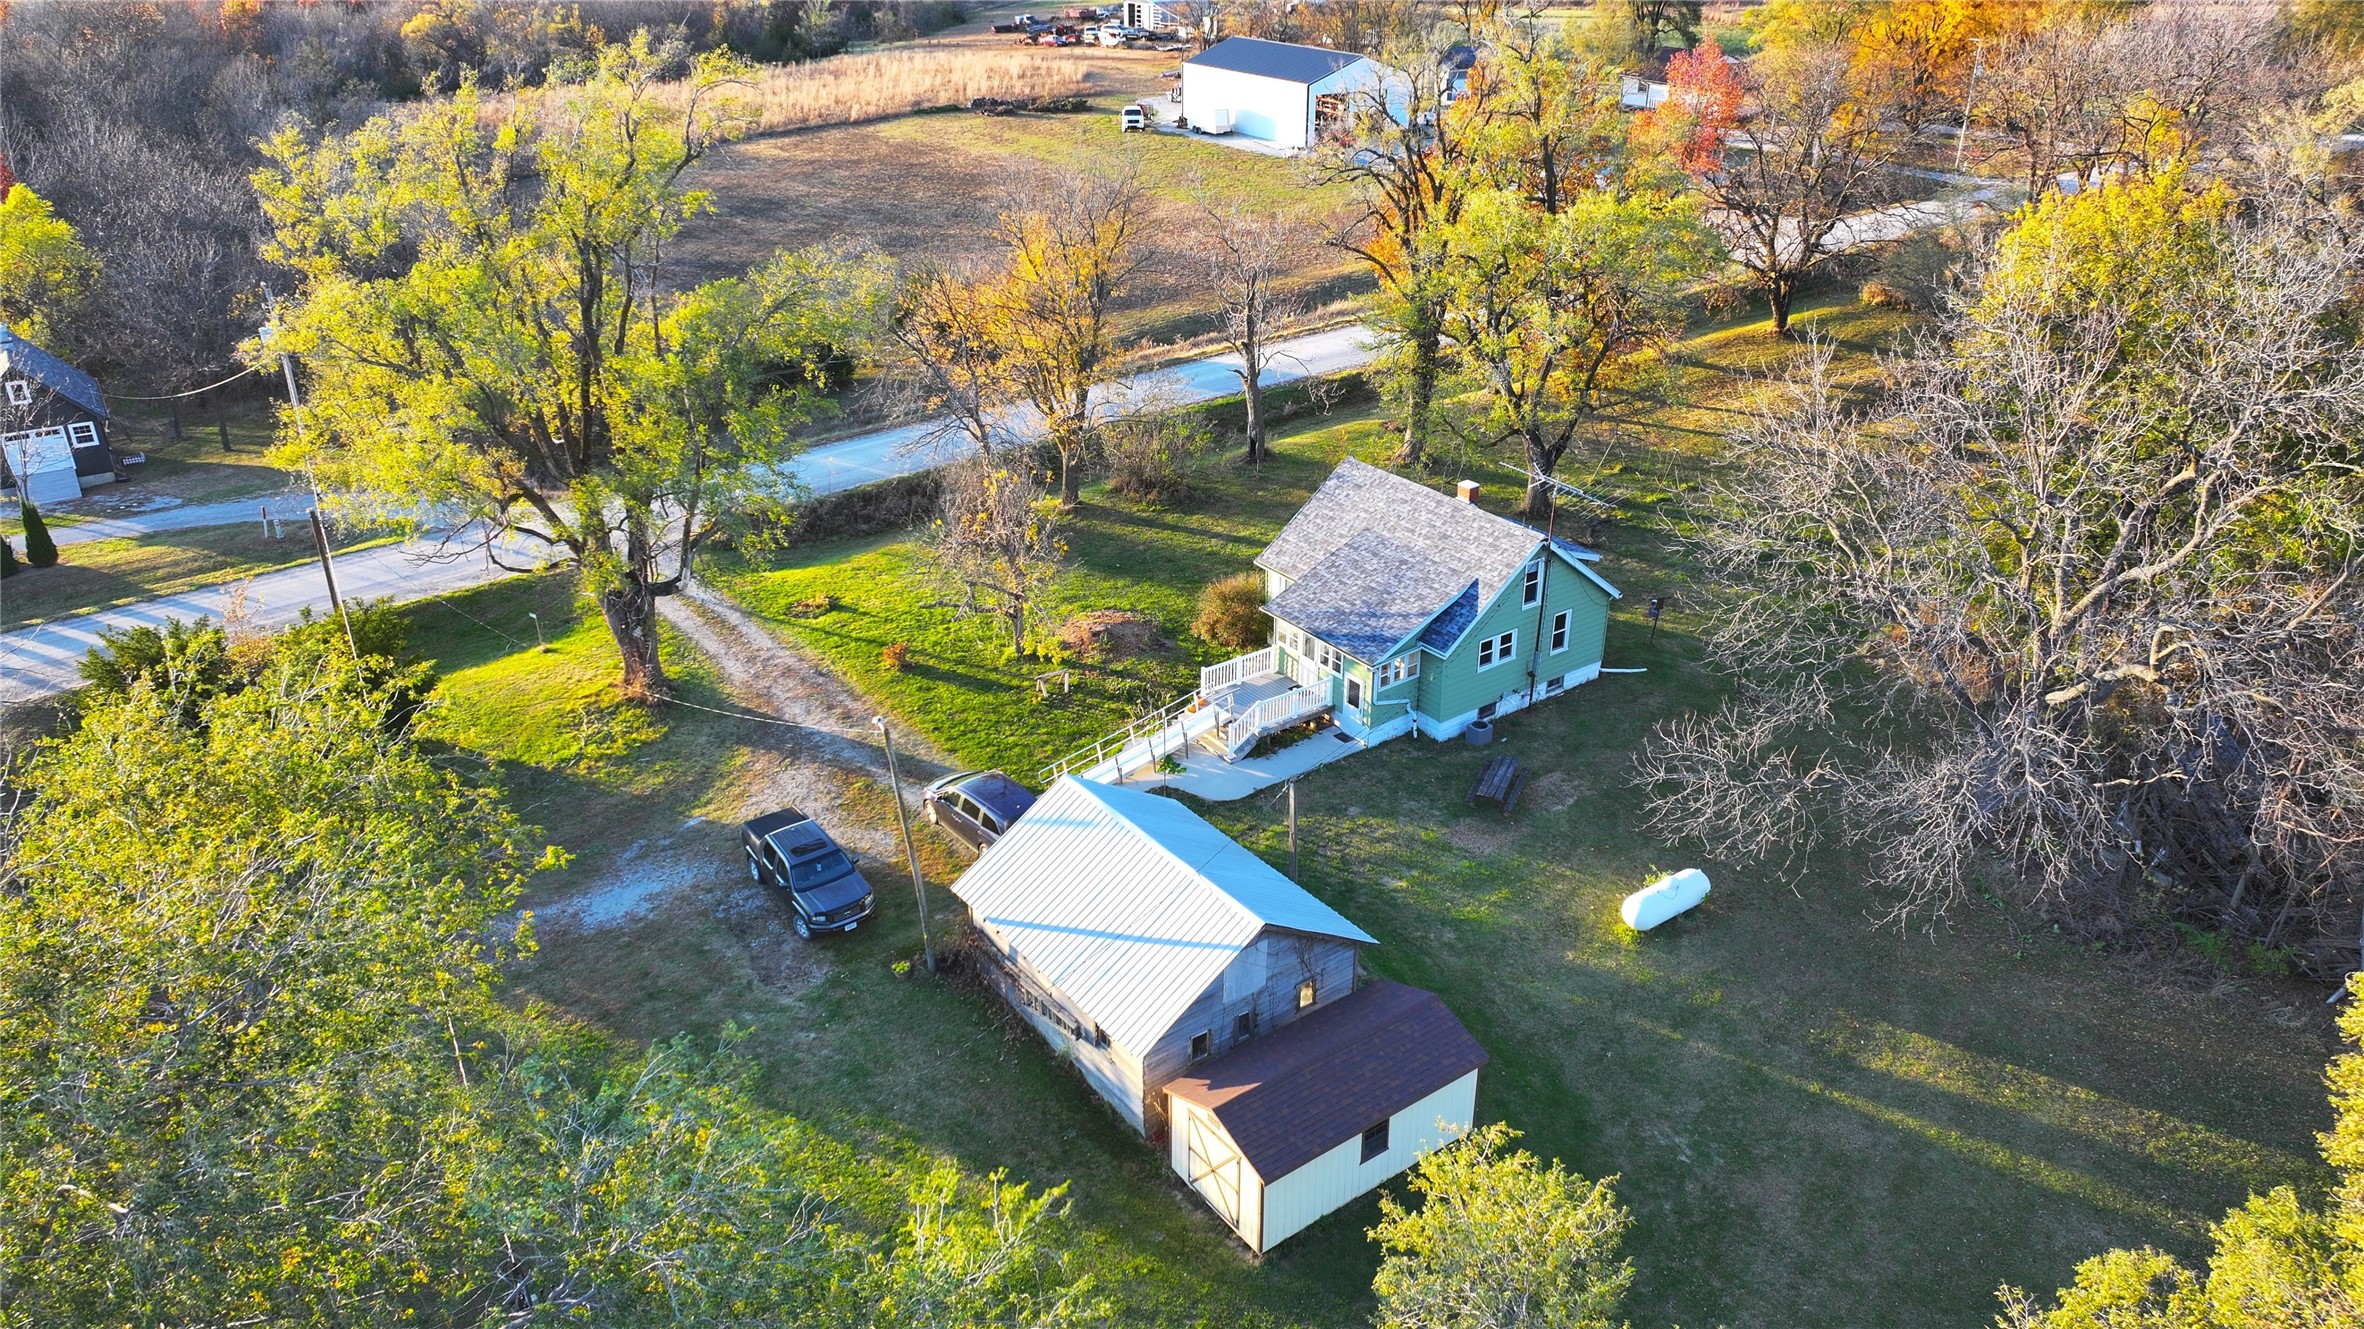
(789, 852)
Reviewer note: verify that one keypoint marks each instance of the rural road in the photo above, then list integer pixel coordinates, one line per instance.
(289, 506)
(43, 661)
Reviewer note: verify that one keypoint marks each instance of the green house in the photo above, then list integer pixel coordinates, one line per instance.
(1397, 608)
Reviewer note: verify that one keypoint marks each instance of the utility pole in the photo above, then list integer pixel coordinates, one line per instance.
(919, 889)
(286, 361)
(1292, 830)
(328, 572)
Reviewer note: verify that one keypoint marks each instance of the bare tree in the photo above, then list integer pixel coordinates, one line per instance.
(1812, 156)
(1245, 255)
(2090, 571)
(996, 543)
(948, 357)
(2087, 92)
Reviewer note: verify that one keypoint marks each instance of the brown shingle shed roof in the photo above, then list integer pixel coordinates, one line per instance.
(1326, 1077)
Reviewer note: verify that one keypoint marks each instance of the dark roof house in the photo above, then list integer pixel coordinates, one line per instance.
(53, 424)
(1303, 1120)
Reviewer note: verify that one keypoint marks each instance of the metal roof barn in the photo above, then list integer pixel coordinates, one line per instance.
(1131, 905)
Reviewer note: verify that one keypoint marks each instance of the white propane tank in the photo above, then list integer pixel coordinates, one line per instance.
(1663, 899)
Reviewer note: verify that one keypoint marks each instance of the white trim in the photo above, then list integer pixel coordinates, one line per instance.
(1504, 653)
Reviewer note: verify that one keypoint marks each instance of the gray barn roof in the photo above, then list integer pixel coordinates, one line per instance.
(1129, 904)
(1325, 1077)
(22, 357)
(1286, 61)
(1373, 554)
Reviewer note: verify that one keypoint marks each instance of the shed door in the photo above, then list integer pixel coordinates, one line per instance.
(1214, 1168)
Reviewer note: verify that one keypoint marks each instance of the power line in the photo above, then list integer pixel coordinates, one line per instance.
(175, 396)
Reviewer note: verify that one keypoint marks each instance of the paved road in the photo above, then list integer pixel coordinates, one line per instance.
(43, 661)
(899, 451)
(289, 506)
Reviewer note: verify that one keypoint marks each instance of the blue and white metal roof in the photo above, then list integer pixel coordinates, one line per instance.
(1130, 905)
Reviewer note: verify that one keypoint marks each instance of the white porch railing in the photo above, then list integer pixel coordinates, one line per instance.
(1140, 728)
(1270, 714)
(1263, 660)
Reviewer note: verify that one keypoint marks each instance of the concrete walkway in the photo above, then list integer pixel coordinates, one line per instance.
(45, 660)
(1205, 775)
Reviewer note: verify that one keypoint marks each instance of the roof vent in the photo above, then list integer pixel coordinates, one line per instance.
(1468, 490)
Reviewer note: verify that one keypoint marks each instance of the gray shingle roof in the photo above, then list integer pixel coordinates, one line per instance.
(1282, 60)
(1446, 545)
(22, 357)
(1369, 594)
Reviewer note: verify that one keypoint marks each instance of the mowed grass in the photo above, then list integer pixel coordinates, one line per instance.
(1814, 1121)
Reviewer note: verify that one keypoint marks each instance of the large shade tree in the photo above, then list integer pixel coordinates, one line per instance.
(2096, 555)
(484, 325)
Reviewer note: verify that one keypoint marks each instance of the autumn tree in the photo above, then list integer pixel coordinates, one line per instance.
(1814, 155)
(1546, 119)
(1071, 243)
(948, 345)
(996, 544)
(1500, 1241)
(2096, 550)
(1704, 95)
(1406, 162)
(1913, 58)
(1549, 315)
(484, 325)
(45, 272)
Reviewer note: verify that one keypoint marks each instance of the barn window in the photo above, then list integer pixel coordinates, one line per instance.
(1099, 1037)
(20, 393)
(1305, 994)
(82, 434)
(1201, 1045)
(1375, 1142)
(1243, 1028)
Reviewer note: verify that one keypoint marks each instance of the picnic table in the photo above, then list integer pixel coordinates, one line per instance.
(1500, 782)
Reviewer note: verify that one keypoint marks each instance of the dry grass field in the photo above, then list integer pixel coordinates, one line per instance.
(874, 85)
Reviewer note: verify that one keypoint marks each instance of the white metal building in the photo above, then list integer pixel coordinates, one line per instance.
(1295, 1125)
(1140, 940)
(1275, 92)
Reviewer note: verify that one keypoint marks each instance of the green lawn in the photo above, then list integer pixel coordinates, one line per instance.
(1815, 1122)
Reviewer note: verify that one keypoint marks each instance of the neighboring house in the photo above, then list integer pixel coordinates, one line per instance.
(1295, 1125)
(1640, 94)
(1140, 940)
(1396, 608)
(53, 424)
(1275, 92)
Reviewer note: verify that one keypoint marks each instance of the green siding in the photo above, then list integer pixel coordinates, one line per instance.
(1454, 686)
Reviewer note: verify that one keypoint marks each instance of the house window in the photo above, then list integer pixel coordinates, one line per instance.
(1531, 594)
(1243, 1028)
(1397, 670)
(1330, 658)
(1498, 650)
(1305, 994)
(1375, 1142)
(1559, 632)
(1354, 693)
(20, 393)
(1201, 1045)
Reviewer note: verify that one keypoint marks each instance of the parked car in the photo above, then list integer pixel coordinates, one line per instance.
(1132, 119)
(789, 852)
(977, 806)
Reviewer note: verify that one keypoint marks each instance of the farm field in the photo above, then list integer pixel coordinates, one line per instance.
(924, 188)
(1815, 1122)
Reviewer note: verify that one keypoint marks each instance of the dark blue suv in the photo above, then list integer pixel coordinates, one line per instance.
(789, 852)
(977, 806)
